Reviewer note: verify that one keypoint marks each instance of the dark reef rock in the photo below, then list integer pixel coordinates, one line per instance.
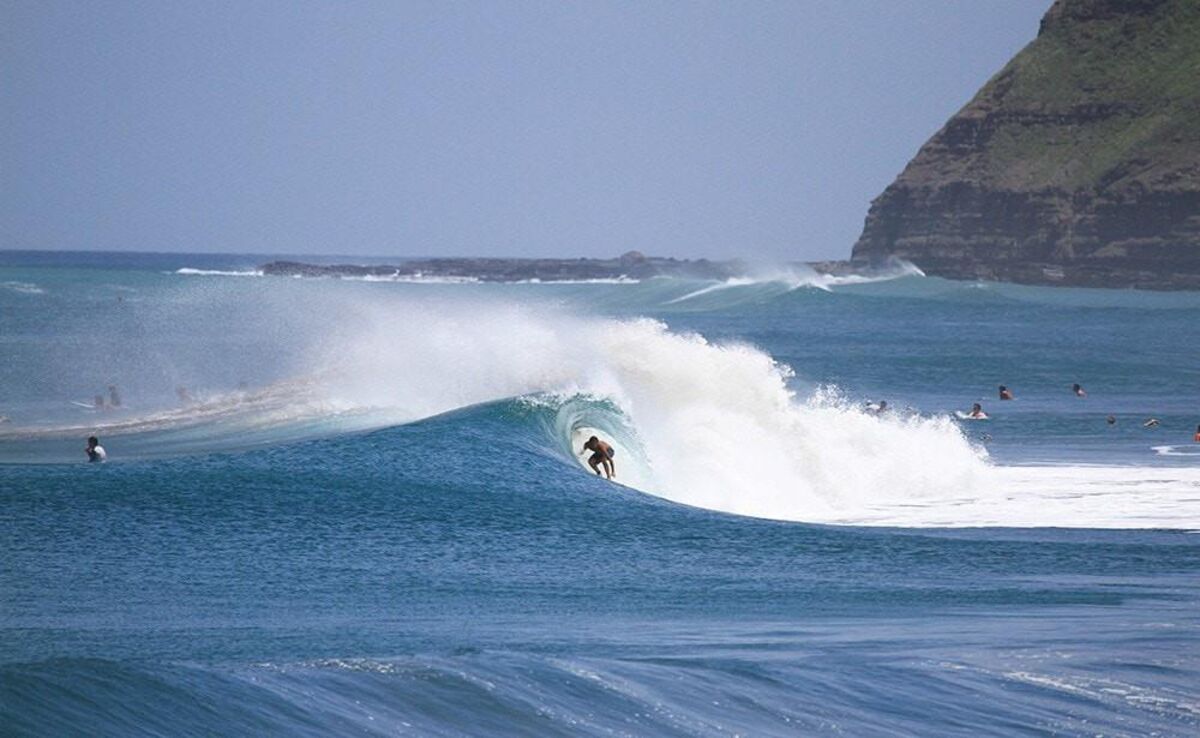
(1079, 163)
(632, 265)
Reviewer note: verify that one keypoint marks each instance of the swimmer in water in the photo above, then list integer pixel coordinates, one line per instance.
(877, 408)
(1078, 390)
(602, 454)
(1111, 420)
(977, 411)
(1005, 393)
(1196, 438)
(95, 452)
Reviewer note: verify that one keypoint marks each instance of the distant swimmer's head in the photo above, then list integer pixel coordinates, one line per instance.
(1110, 420)
(1075, 387)
(95, 452)
(976, 408)
(1003, 388)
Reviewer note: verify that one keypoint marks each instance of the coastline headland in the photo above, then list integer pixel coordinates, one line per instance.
(1077, 164)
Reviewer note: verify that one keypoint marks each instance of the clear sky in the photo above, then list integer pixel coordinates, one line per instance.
(753, 129)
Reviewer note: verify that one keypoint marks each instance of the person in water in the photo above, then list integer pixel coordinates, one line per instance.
(1196, 438)
(977, 411)
(602, 454)
(1005, 393)
(114, 397)
(95, 452)
(1078, 390)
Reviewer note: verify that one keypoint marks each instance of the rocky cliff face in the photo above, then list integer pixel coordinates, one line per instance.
(1079, 163)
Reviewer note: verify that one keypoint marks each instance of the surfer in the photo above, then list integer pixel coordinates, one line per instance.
(878, 408)
(1196, 438)
(1078, 390)
(977, 412)
(1150, 423)
(95, 452)
(1005, 393)
(114, 398)
(602, 453)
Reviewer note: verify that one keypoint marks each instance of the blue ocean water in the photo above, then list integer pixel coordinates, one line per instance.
(338, 507)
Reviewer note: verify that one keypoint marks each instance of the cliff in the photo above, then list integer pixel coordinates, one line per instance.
(1078, 163)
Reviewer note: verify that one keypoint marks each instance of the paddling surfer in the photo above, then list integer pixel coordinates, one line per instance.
(602, 454)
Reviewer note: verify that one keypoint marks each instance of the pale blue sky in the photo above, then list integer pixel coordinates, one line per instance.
(759, 130)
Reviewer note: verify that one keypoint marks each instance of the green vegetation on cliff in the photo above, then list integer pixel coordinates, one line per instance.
(1083, 153)
(1118, 95)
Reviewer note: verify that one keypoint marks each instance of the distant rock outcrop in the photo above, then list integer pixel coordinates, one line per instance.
(1079, 163)
(632, 265)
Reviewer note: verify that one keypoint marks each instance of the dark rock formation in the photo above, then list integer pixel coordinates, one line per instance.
(1079, 163)
(632, 265)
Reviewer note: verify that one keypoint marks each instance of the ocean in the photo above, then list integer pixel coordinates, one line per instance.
(350, 507)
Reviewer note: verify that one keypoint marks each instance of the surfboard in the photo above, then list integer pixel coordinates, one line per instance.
(85, 405)
(967, 416)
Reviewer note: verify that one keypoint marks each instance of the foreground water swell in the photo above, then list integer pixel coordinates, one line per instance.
(389, 582)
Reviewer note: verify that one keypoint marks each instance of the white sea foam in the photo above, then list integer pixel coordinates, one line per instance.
(598, 280)
(415, 278)
(25, 288)
(717, 426)
(1176, 450)
(189, 271)
(799, 276)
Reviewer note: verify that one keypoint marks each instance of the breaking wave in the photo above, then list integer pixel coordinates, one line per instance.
(716, 425)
